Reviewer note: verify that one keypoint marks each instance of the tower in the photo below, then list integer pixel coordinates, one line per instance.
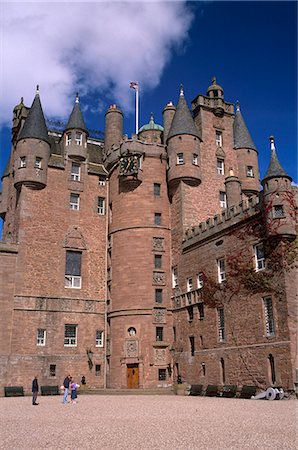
(75, 134)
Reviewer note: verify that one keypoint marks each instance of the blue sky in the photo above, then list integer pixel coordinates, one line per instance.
(251, 47)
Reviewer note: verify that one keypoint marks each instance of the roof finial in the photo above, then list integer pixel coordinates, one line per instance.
(238, 106)
(231, 172)
(22, 100)
(272, 144)
(77, 98)
(181, 90)
(37, 89)
(213, 80)
(151, 118)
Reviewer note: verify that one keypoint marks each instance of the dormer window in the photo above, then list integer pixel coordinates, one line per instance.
(218, 138)
(68, 138)
(79, 138)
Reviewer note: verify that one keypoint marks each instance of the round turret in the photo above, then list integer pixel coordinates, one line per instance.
(233, 189)
(215, 90)
(113, 135)
(151, 132)
(168, 114)
(75, 134)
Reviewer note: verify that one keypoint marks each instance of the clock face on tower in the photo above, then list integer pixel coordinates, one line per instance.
(129, 165)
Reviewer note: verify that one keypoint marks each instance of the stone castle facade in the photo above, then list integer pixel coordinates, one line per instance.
(137, 261)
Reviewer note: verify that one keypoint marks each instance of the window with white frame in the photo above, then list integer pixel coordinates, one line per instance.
(41, 337)
(218, 138)
(99, 338)
(101, 206)
(250, 171)
(268, 314)
(174, 277)
(68, 138)
(221, 324)
(195, 159)
(278, 211)
(200, 280)
(220, 164)
(180, 158)
(70, 335)
(23, 161)
(74, 202)
(79, 138)
(189, 284)
(221, 270)
(73, 277)
(75, 172)
(259, 257)
(101, 182)
(37, 164)
(223, 199)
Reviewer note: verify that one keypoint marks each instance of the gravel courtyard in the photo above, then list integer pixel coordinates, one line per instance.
(148, 422)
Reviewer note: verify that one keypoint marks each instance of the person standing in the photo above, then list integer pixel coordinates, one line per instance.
(35, 389)
(66, 387)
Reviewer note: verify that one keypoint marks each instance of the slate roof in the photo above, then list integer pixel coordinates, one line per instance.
(35, 125)
(242, 138)
(275, 169)
(182, 121)
(76, 120)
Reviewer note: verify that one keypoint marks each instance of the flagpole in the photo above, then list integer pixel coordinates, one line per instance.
(137, 110)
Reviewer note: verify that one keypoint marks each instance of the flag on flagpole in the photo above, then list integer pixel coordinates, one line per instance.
(134, 85)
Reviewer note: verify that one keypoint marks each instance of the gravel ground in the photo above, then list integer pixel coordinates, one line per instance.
(148, 422)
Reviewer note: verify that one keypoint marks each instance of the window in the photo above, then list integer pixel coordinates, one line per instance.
(190, 313)
(70, 335)
(249, 171)
(132, 331)
(157, 189)
(52, 371)
(221, 269)
(272, 368)
(200, 280)
(37, 164)
(78, 138)
(268, 314)
(222, 199)
(158, 295)
(101, 182)
(259, 257)
(157, 218)
(73, 270)
(68, 138)
(278, 211)
(222, 371)
(174, 277)
(97, 370)
(201, 311)
(74, 201)
(221, 324)
(41, 337)
(218, 138)
(157, 261)
(180, 158)
(174, 333)
(192, 345)
(220, 166)
(101, 206)
(159, 334)
(195, 159)
(189, 284)
(99, 338)
(75, 172)
(23, 161)
(162, 374)
(203, 369)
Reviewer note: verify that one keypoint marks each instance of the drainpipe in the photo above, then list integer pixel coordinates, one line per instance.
(106, 286)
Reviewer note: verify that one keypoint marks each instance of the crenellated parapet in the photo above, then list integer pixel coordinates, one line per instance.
(221, 222)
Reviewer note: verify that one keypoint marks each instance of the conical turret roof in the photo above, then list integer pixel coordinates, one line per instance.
(275, 169)
(35, 124)
(182, 121)
(76, 120)
(242, 137)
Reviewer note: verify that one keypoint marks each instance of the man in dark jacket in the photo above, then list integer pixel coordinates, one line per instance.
(66, 387)
(35, 390)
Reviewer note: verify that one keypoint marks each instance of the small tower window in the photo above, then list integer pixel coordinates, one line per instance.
(174, 277)
(221, 324)
(132, 331)
(37, 164)
(259, 257)
(250, 171)
(278, 211)
(189, 284)
(75, 172)
(200, 280)
(218, 138)
(74, 201)
(100, 206)
(99, 338)
(220, 166)
(157, 261)
(158, 295)
(195, 159)
(156, 189)
(79, 139)
(221, 269)
(157, 218)
(180, 159)
(23, 161)
(223, 199)
(68, 138)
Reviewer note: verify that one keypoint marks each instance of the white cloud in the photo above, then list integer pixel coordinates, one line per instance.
(90, 47)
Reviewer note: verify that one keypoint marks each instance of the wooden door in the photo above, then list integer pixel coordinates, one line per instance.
(132, 376)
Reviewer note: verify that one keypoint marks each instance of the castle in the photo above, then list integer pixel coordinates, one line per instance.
(138, 261)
